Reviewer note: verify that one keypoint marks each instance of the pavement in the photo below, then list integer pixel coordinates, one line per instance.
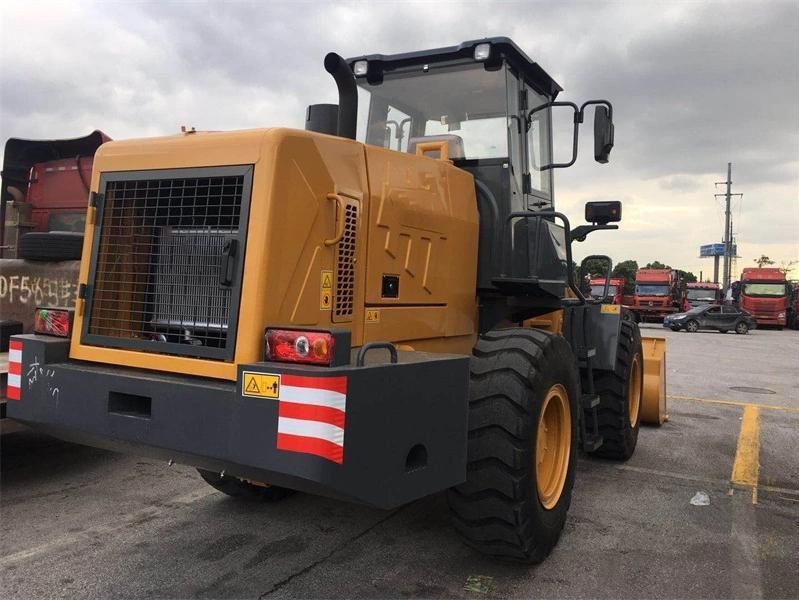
(81, 522)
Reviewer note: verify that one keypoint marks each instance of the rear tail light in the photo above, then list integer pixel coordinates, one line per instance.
(53, 321)
(312, 347)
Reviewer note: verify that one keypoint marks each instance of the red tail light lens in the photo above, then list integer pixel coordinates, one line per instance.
(53, 321)
(306, 347)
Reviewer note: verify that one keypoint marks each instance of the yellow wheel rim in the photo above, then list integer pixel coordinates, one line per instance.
(553, 446)
(634, 390)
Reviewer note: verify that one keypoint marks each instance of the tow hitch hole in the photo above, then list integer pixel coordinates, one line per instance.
(129, 405)
(416, 459)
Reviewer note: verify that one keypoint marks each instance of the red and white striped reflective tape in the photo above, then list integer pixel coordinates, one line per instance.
(14, 370)
(311, 416)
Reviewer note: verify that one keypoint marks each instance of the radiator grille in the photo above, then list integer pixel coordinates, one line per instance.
(166, 272)
(345, 267)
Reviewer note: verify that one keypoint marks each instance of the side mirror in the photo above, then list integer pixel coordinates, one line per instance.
(603, 212)
(603, 134)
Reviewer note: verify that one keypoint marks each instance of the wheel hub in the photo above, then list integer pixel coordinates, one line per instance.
(553, 446)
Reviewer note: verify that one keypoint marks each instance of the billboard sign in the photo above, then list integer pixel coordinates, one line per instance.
(715, 250)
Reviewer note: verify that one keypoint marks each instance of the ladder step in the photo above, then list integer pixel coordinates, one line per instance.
(590, 400)
(591, 443)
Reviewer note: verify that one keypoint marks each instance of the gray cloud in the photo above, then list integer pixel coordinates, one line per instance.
(694, 85)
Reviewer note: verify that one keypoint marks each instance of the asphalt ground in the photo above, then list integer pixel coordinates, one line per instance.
(77, 522)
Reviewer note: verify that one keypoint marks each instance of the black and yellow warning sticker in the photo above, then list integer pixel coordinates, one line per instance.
(326, 290)
(260, 385)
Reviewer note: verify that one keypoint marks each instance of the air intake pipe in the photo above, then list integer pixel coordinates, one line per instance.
(347, 94)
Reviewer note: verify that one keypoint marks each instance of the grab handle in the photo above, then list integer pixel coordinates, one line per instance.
(340, 220)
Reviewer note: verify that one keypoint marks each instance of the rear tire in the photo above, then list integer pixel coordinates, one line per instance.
(620, 396)
(521, 456)
(240, 488)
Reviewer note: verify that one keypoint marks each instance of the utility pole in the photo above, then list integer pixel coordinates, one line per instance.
(727, 230)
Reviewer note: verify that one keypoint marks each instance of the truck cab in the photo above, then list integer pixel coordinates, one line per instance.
(658, 292)
(615, 289)
(765, 294)
(702, 293)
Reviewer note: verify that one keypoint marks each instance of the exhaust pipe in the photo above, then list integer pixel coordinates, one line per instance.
(347, 94)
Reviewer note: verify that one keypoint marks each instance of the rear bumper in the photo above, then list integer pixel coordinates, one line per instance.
(402, 431)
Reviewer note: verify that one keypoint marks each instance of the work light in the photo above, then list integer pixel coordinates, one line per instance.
(482, 52)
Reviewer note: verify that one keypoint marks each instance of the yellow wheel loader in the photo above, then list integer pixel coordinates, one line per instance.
(372, 319)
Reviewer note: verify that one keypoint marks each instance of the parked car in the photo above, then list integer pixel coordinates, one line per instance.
(722, 318)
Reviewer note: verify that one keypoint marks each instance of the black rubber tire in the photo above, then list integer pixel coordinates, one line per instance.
(741, 328)
(692, 328)
(613, 413)
(52, 246)
(497, 510)
(239, 488)
(674, 328)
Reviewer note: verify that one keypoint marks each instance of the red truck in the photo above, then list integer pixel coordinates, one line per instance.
(765, 294)
(45, 188)
(658, 292)
(44, 193)
(615, 288)
(701, 293)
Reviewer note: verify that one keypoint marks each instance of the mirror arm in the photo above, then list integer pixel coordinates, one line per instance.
(578, 118)
(579, 233)
(595, 103)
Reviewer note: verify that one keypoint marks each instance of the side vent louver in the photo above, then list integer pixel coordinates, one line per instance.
(345, 267)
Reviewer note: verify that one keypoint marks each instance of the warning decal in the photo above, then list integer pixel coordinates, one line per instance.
(260, 385)
(610, 309)
(372, 316)
(326, 290)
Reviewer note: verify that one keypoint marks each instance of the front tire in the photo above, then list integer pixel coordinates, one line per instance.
(522, 445)
(742, 328)
(240, 488)
(620, 396)
(692, 326)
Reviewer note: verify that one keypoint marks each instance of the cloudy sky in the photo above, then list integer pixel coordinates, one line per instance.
(695, 85)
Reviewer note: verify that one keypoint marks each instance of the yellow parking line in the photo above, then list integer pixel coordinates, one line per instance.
(746, 468)
(734, 403)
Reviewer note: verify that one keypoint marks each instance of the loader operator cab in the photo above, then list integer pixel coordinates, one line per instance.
(489, 108)
(475, 98)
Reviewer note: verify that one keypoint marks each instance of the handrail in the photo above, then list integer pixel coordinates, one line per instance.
(528, 214)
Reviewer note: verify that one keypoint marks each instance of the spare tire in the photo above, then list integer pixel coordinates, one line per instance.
(52, 246)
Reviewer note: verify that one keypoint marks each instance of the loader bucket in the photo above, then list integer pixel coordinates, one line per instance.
(653, 409)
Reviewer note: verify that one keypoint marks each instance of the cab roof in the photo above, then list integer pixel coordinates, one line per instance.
(501, 47)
